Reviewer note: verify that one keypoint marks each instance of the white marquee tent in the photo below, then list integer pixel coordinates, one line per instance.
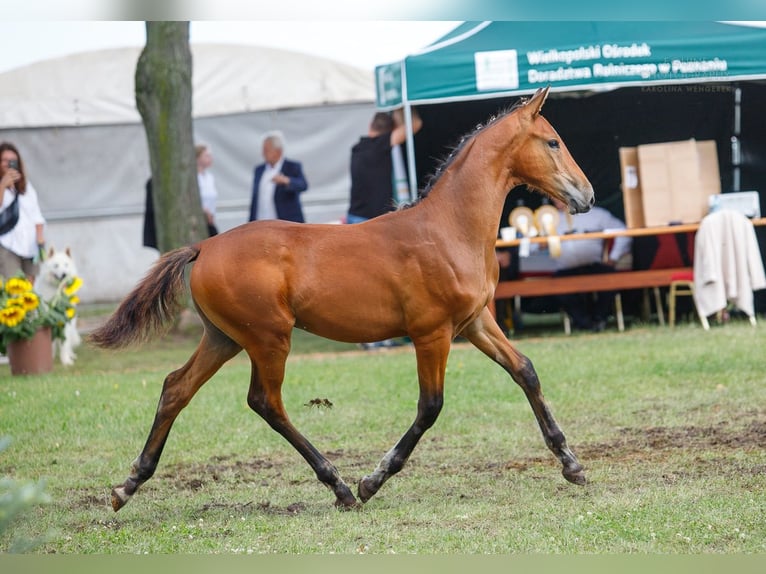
(75, 123)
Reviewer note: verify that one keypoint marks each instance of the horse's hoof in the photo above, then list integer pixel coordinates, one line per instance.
(119, 497)
(347, 504)
(364, 492)
(575, 476)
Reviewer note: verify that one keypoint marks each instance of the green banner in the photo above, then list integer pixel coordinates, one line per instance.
(494, 59)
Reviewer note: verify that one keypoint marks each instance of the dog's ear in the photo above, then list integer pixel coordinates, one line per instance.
(51, 251)
(69, 253)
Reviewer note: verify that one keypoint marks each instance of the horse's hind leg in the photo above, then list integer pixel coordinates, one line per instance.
(265, 398)
(179, 388)
(488, 338)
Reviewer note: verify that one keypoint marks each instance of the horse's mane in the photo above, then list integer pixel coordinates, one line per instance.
(456, 149)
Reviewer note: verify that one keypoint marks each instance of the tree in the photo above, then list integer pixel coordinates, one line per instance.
(164, 100)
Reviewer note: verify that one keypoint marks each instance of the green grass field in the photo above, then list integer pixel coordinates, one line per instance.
(670, 424)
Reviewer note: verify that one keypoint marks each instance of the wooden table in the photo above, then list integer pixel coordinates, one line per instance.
(619, 280)
(635, 232)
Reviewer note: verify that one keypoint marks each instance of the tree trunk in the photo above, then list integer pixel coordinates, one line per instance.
(164, 100)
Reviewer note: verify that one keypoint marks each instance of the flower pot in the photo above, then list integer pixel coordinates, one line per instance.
(32, 356)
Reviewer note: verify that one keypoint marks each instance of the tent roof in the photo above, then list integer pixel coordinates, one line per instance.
(490, 59)
(98, 87)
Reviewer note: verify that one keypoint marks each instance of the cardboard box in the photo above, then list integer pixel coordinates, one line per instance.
(673, 183)
(709, 173)
(631, 188)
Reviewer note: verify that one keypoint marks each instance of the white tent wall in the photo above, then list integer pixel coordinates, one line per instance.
(90, 185)
(84, 147)
(91, 181)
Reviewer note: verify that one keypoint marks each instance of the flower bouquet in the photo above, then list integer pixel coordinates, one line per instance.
(23, 312)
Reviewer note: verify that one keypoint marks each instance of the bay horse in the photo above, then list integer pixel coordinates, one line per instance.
(427, 272)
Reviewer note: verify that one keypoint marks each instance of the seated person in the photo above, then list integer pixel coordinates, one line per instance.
(588, 311)
(508, 260)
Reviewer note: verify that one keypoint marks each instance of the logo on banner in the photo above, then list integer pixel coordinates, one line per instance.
(497, 70)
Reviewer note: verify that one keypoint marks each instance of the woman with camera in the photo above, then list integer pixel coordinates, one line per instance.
(22, 224)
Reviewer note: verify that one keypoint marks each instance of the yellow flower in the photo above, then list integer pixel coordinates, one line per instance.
(17, 286)
(12, 316)
(73, 287)
(70, 313)
(30, 300)
(74, 300)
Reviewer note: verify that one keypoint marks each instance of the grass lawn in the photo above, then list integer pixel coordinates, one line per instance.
(670, 424)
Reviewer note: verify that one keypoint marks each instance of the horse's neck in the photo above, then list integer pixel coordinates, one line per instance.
(470, 194)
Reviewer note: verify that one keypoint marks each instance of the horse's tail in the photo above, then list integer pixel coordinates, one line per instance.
(152, 303)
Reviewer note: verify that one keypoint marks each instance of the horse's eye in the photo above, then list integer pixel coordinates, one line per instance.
(553, 144)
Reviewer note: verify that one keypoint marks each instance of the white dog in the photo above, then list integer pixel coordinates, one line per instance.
(56, 268)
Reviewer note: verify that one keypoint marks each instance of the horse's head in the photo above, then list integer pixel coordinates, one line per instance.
(545, 163)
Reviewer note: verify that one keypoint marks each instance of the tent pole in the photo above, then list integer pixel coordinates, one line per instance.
(413, 180)
(736, 149)
(410, 152)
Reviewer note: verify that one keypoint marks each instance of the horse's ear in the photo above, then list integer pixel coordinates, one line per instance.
(537, 101)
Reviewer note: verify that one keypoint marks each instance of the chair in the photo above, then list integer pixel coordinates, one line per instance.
(682, 284)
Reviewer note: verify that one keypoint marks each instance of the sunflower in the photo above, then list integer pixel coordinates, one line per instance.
(29, 300)
(23, 312)
(17, 286)
(73, 286)
(12, 315)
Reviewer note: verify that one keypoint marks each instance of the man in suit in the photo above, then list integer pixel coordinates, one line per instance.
(277, 184)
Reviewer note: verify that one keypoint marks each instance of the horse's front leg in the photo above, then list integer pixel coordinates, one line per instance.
(485, 334)
(432, 362)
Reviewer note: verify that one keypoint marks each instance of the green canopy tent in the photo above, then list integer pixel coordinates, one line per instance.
(491, 60)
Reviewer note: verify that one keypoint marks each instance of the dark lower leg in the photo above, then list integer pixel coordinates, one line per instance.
(489, 340)
(394, 460)
(144, 465)
(325, 471)
(554, 438)
(269, 406)
(178, 389)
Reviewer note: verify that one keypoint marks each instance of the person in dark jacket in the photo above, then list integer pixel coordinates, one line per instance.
(371, 165)
(277, 184)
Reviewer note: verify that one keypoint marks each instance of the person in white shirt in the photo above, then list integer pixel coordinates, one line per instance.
(208, 194)
(21, 246)
(588, 311)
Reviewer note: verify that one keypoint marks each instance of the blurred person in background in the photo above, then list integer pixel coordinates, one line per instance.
(23, 245)
(277, 183)
(208, 193)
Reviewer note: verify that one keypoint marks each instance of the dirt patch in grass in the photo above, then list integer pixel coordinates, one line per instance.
(633, 445)
(264, 507)
(629, 446)
(632, 442)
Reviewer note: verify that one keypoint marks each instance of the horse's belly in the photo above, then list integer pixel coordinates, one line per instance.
(350, 321)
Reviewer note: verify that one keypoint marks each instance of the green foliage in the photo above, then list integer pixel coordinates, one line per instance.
(15, 499)
(670, 425)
